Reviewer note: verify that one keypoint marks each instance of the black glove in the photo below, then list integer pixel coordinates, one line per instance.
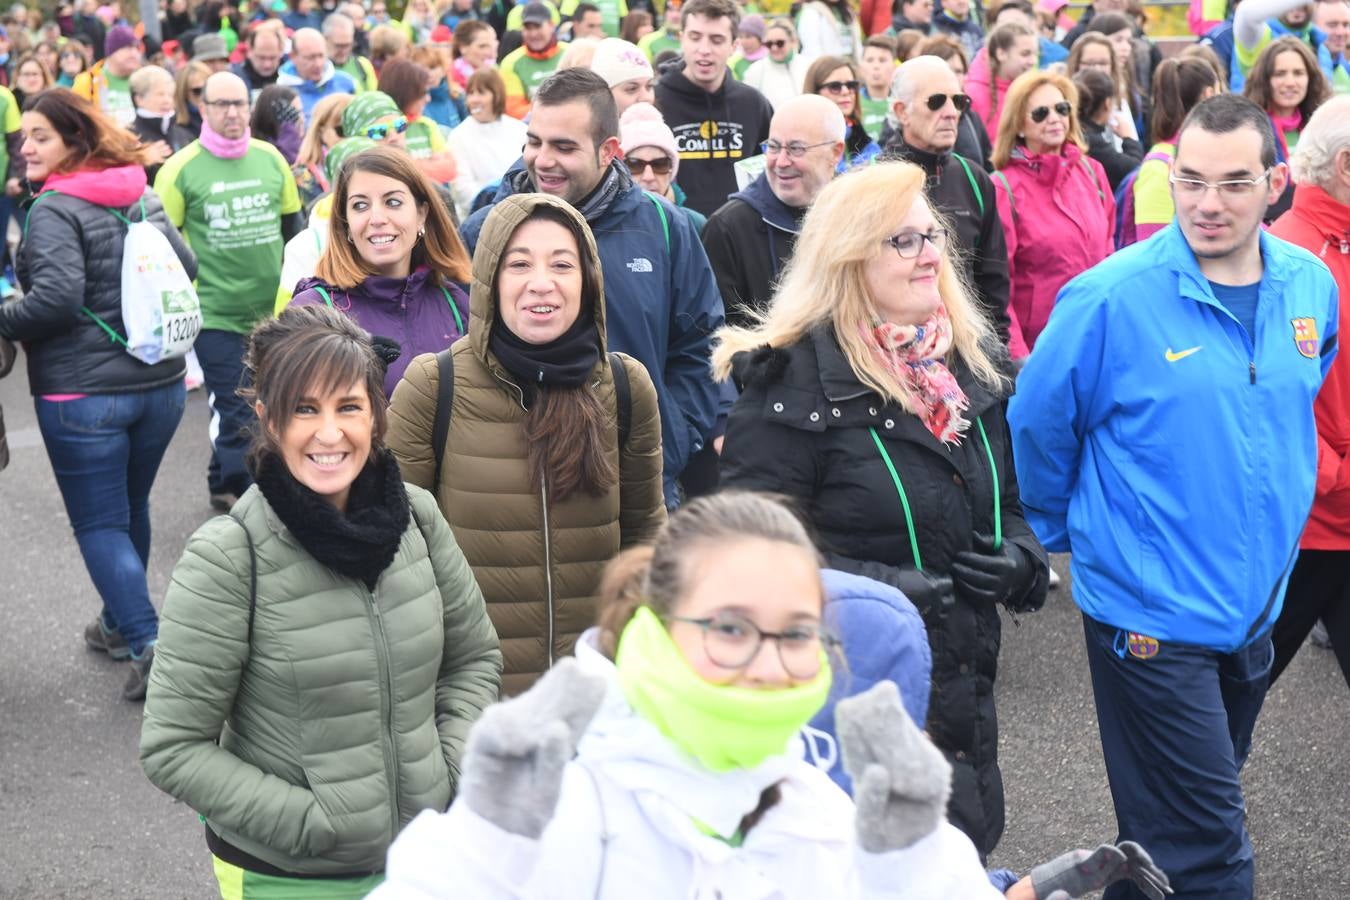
(924, 590)
(990, 576)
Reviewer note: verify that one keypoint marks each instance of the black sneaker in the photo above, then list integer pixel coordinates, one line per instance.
(96, 637)
(139, 676)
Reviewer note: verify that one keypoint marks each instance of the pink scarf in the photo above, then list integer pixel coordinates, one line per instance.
(913, 355)
(223, 147)
(1284, 125)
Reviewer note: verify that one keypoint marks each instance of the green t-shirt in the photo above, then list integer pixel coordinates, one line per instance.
(423, 139)
(116, 99)
(362, 75)
(522, 73)
(653, 43)
(874, 114)
(230, 210)
(9, 123)
(1340, 79)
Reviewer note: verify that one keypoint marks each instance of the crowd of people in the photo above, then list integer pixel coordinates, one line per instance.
(558, 358)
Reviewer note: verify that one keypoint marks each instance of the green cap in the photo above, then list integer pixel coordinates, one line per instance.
(365, 111)
(342, 150)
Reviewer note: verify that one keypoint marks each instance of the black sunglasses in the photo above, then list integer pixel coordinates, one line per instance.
(659, 166)
(1041, 113)
(839, 87)
(775, 45)
(960, 101)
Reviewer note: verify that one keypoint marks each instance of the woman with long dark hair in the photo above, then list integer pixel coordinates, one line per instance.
(325, 646)
(278, 119)
(1102, 130)
(106, 417)
(550, 462)
(1287, 82)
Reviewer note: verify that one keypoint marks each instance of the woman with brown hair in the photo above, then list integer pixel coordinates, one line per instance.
(487, 142)
(549, 460)
(1055, 201)
(475, 49)
(393, 260)
(1287, 82)
(836, 79)
(406, 84)
(106, 417)
(1094, 52)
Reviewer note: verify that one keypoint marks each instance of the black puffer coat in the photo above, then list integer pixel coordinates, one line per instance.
(801, 428)
(71, 257)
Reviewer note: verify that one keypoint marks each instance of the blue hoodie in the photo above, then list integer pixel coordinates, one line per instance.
(330, 82)
(662, 307)
(1170, 451)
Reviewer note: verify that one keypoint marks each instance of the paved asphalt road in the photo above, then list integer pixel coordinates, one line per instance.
(78, 820)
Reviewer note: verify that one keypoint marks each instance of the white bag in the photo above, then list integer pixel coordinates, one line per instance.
(160, 309)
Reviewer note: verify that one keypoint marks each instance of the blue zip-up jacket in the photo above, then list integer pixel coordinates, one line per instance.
(311, 92)
(661, 308)
(1174, 455)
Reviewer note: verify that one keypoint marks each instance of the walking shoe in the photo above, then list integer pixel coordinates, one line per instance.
(1054, 579)
(139, 676)
(224, 502)
(1319, 635)
(110, 642)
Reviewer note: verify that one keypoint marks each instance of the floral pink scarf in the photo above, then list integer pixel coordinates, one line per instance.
(914, 354)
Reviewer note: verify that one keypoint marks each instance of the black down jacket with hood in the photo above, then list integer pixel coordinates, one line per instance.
(801, 428)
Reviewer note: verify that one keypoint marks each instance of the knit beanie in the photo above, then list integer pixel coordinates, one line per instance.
(617, 61)
(341, 152)
(119, 36)
(753, 25)
(642, 126)
(365, 111)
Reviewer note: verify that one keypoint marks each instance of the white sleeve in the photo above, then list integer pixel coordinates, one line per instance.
(1251, 16)
(941, 866)
(459, 853)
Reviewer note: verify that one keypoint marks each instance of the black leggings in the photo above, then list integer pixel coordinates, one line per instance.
(1319, 588)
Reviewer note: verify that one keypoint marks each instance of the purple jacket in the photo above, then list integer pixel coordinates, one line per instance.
(413, 311)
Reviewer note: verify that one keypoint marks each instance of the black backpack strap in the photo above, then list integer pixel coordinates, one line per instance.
(623, 399)
(445, 399)
(252, 576)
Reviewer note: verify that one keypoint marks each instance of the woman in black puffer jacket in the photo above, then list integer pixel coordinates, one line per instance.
(106, 417)
(870, 395)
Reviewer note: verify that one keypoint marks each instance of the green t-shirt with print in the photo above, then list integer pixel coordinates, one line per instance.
(874, 114)
(116, 99)
(423, 138)
(230, 210)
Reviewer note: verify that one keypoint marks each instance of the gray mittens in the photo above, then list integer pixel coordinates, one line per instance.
(1079, 872)
(514, 759)
(900, 780)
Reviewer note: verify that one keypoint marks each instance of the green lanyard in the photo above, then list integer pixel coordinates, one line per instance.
(459, 321)
(904, 498)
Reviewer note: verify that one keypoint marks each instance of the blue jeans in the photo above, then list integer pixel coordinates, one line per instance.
(105, 450)
(221, 354)
(1176, 722)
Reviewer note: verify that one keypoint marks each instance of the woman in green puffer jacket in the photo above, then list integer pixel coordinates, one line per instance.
(324, 649)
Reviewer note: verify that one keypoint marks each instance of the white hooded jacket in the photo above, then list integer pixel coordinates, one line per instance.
(625, 827)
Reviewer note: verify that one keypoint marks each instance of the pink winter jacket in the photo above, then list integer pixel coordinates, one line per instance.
(1059, 221)
(977, 86)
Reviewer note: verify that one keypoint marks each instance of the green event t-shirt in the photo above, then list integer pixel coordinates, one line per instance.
(423, 139)
(522, 73)
(10, 123)
(116, 99)
(230, 210)
(874, 115)
(652, 44)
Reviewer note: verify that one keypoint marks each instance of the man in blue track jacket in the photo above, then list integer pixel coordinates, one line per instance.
(1164, 433)
(661, 299)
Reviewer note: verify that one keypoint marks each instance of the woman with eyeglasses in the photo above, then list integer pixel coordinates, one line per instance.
(487, 142)
(664, 760)
(779, 76)
(1287, 82)
(71, 62)
(872, 396)
(836, 79)
(1132, 66)
(392, 261)
(653, 157)
(1055, 201)
(1094, 52)
(549, 461)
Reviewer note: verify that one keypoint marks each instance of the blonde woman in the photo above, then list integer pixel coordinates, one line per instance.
(324, 121)
(872, 396)
(189, 82)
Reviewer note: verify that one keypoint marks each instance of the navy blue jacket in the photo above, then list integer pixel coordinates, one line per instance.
(662, 307)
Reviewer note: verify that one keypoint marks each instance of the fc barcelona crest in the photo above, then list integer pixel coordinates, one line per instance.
(1141, 645)
(1305, 337)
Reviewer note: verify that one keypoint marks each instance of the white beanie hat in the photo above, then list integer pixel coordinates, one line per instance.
(642, 126)
(617, 61)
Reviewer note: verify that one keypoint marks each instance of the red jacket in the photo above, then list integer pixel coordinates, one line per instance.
(1059, 221)
(1318, 223)
(875, 17)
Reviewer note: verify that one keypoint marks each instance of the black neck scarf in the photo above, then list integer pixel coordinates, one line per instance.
(566, 361)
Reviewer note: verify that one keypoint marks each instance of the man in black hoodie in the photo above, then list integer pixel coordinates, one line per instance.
(716, 119)
(752, 236)
(926, 102)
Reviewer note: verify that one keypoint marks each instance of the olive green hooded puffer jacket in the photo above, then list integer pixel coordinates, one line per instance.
(538, 561)
(312, 744)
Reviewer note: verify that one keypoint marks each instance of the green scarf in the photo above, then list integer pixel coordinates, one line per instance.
(723, 727)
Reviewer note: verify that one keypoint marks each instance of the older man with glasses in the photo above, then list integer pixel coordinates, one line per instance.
(235, 201)
(926, 107)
